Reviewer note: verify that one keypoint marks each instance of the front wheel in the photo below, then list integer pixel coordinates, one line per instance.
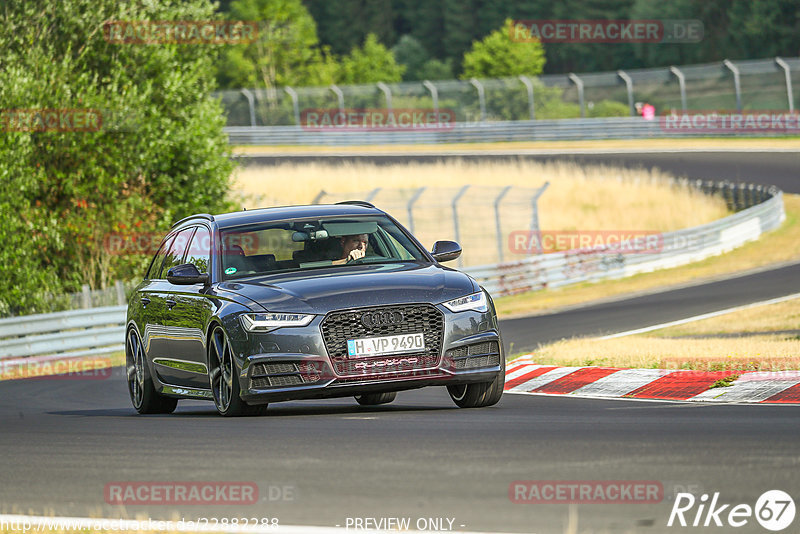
(373, 399)
(224, 378)
(144, 396)
(481, 394)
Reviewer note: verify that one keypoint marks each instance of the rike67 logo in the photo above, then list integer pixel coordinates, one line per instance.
(774, 510)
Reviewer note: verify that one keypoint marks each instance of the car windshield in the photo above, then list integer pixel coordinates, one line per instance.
(293, 245)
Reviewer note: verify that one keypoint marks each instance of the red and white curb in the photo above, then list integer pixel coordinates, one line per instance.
(525, 376)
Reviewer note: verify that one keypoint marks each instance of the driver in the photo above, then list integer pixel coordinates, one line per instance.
(353, 248)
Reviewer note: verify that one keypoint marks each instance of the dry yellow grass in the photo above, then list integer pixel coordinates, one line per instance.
(772, 352)
(781, 316)
(591, 198)
(780, 245)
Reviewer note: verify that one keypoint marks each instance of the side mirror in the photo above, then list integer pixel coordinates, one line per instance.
(186, 275)
(446, 250)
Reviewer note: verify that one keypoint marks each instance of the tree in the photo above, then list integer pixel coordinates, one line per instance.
(498, 55)
(158, 152)
(371, 63)
(286, 52)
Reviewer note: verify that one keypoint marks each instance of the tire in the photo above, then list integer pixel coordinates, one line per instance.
(481, 394)
(224, 380)
(144, 397)
(373, 399)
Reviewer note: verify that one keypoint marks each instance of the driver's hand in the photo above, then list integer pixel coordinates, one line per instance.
(355, 254)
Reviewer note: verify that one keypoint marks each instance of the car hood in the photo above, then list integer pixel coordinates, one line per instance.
(322, 290)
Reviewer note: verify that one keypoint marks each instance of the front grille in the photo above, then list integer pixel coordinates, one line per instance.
(340, 326)
(284, 374)
(484, 354)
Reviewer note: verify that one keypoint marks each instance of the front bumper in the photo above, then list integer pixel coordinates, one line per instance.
(294, 363)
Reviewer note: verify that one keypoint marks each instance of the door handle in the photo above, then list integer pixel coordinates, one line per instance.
(170, 304)
(145, 301)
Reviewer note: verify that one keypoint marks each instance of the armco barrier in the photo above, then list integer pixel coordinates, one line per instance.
(679, 248)
(74, 333)
(95, 331)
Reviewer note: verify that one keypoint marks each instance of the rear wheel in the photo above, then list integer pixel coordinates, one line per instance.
(372, 399)
(224, 378)
(144, 396)
(481, 394)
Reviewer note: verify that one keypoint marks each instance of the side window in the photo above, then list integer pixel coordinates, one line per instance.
(176, 250)
(155, 265)
(200, 250)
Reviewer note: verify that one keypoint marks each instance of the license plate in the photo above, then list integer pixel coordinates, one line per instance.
(378, 346)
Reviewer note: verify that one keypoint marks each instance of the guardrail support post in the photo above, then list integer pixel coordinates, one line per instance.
(788, 74)
(295, 105)
(387, 93)
(500, 243)
(86, 296)
(434, 96)
(682, 83)
(579, 84)
(339, 96)
(529, 86)
(252, 104)
(629, 84)
(737, 85)
(481, 97)
(372, 194)
(410, 208)
(120, 292)
(455, 218)
(535, 218)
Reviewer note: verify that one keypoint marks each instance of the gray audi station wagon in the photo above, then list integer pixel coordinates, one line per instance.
(307, 302)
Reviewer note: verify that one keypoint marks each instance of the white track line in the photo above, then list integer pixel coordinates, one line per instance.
(46, 524)
(701, 317)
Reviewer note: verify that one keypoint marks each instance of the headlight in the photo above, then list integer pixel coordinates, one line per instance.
(264, 322)
(476, 302)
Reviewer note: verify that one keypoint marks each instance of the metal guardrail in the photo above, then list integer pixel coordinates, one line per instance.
(676, 248)
(96, 331)
(73, 334)
(479, 132)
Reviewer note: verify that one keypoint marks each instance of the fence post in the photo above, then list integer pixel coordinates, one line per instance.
(410, 208)
(455, 217)
(387, 93)
(529, 86)
(86, 297)
(372, 194)
(787, 72)
(434, 96)
(497, 222)
(319, 196)
(682, 83)
(629, 84)
(339, 96)
(579, 84)
(535, 219)
(250, 102)
(481, 97)
(736, 83)
(120, 292)
(295, 106)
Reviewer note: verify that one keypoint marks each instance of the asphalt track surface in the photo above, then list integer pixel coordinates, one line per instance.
(320, 462)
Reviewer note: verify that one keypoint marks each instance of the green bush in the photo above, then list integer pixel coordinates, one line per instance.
(159, 155)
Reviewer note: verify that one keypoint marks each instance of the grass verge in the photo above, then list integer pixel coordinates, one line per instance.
(762, 338)
(781, 245)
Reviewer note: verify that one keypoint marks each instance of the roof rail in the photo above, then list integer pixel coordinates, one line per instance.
(363, 203)
(205, 216)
